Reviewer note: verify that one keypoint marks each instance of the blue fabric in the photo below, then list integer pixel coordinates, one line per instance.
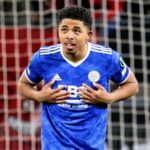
(75, 125)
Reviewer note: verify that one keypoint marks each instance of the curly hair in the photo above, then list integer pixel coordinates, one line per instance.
(77, 13)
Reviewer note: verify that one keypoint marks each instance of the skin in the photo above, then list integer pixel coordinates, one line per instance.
(124, 91)
(73, 35)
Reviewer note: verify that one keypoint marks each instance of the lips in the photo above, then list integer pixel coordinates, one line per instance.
(69, 45)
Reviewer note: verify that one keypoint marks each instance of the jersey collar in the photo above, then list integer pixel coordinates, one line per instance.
(79, 62)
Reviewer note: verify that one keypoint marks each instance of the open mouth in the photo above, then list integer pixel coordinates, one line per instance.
(69, 45)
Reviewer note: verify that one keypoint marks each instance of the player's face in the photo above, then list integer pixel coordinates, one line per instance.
(73, 35)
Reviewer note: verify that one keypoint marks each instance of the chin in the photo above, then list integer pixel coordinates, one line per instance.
(70, 53)
(69, 50)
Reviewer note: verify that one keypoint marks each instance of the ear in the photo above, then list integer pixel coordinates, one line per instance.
(90, 33)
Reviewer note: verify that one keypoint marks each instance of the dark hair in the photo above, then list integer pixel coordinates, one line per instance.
(77, 13)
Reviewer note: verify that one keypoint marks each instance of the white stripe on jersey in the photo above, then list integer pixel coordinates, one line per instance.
(126, 77)
(49, 49)
(101, 49)
(124, 70)
(27, 77)
(75, 101)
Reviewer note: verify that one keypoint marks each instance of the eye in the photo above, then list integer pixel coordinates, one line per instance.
(76, 30)
(64, 29)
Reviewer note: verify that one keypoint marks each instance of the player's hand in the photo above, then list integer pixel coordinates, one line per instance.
(47, 94)
(98, 96)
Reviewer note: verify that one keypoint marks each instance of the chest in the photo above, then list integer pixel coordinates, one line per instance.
(66, 74)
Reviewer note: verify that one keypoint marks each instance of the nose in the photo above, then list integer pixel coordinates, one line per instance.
(70, 35)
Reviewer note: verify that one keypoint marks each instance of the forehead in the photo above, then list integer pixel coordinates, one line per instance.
(71, 23)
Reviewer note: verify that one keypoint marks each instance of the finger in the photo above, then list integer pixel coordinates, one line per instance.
(59, 89)
(62, 94)
(59, 101)
(49, 84)
(98, 86)
(82, 89)
(87, 101)
(62, 97)
(84, 94)
(87, 88)
(59, 93)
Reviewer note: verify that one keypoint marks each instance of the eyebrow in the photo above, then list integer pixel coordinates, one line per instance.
(64, 26)
(76, 27)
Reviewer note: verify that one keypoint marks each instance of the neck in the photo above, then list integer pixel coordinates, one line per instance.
(78, 55)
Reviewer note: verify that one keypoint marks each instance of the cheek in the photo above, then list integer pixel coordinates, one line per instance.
(83, 38)
(61, 37)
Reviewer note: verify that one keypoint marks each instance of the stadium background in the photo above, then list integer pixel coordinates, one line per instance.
(26, 25)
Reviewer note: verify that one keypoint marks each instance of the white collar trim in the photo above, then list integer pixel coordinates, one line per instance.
(79, 62)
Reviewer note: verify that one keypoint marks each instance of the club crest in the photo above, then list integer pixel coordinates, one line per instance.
(94, 76)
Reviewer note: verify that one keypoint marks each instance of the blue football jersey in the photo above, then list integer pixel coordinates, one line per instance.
(75, 125)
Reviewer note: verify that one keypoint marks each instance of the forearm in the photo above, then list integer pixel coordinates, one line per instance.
(28, 91)
(124, 91)
(44, 94)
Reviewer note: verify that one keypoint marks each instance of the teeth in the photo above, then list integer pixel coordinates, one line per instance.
(69, 44)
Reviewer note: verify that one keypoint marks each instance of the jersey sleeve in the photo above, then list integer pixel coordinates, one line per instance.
(119, 71)
(32, 71)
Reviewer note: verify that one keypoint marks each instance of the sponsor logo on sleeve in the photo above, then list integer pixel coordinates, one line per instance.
(122, 63)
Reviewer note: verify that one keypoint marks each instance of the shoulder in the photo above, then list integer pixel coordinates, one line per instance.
(44, 53)
(101, 49)
(48, 50)
(105, 51)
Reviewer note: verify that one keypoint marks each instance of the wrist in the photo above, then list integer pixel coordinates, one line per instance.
(111, 98)
(38, 97)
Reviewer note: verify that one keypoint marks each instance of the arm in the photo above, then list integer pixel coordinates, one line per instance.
(124, 91)
(46, 94)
